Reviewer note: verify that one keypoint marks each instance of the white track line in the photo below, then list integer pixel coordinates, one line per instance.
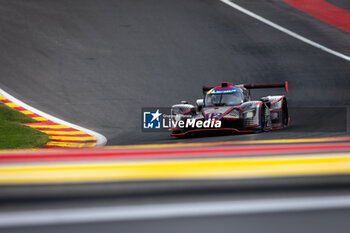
(161, 211)
(101, 140)
(289, 32)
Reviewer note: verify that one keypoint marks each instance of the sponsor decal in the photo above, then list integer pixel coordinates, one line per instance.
(230, 90)
(213, 115)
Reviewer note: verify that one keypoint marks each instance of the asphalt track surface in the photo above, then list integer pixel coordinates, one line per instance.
(328, 221)
(97, 63)
(313, 220)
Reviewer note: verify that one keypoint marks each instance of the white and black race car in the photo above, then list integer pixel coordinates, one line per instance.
(232, 107)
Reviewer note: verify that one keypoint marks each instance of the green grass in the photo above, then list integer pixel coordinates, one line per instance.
(13, 135)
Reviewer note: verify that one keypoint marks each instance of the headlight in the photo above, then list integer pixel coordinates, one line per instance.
(249, 114)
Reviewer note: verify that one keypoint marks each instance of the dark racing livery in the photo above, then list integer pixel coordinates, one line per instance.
(232, 105)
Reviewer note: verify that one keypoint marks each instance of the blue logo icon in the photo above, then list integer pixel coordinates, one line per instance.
(151, 120)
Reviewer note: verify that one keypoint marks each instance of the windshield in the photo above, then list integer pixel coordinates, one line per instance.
(223, 99)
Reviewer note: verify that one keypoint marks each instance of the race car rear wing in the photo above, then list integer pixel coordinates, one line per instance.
(257, 86)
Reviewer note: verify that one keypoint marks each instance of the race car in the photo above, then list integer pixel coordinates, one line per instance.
(229, 107)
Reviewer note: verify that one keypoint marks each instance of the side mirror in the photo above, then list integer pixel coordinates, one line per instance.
(200, 102)
(264, 99)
